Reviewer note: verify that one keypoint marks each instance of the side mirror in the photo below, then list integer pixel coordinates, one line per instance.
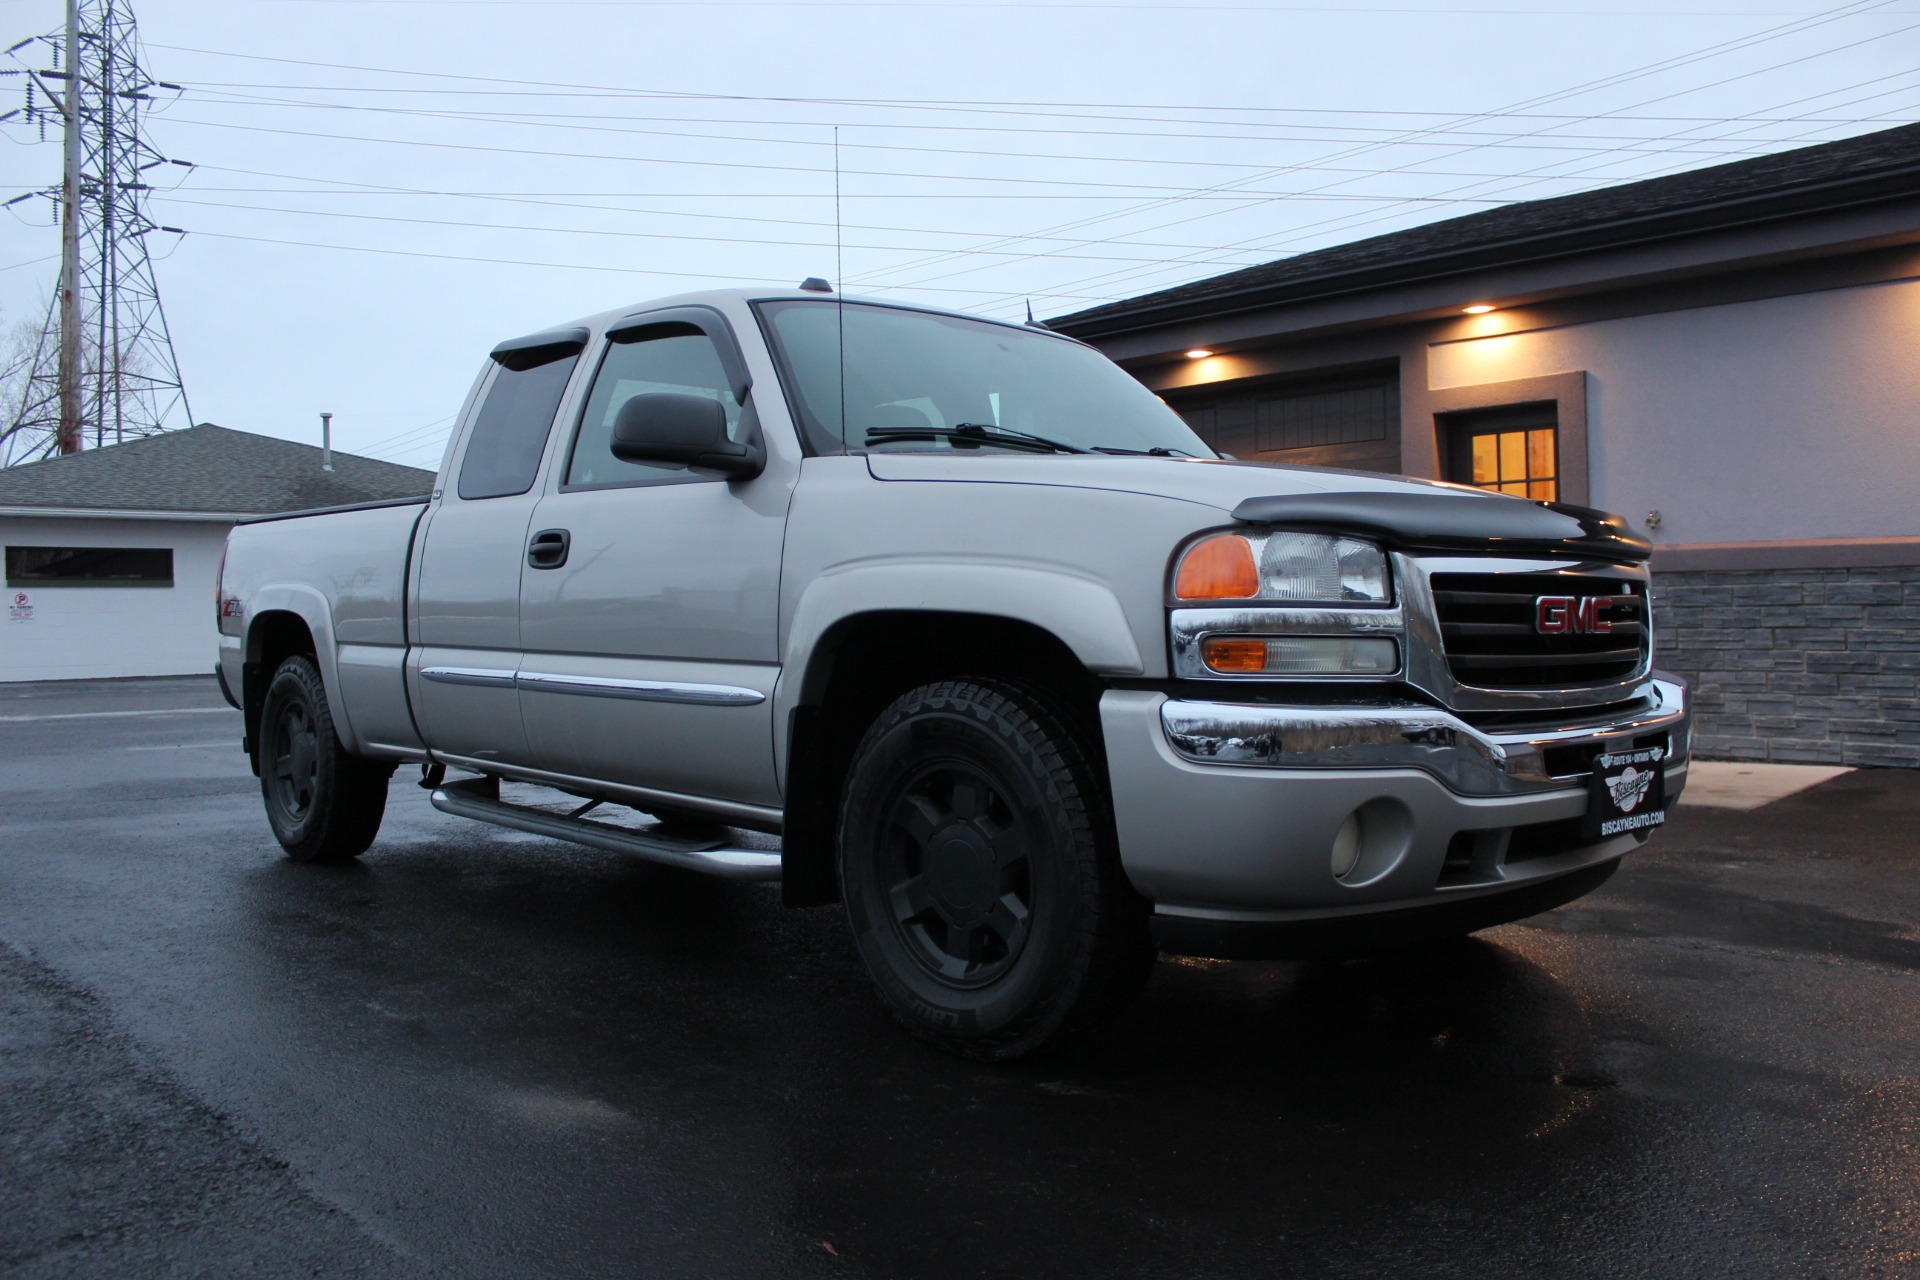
(682, 430)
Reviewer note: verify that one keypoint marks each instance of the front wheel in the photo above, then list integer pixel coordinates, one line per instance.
(323, 804)
(979, 871)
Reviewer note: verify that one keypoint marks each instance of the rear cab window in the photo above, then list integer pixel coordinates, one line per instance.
(509, 434)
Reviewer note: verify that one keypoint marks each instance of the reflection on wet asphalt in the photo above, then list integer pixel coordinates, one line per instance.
(491, 1054)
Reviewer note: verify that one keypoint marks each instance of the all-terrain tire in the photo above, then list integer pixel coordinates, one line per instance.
(980, 872)
(323, 804)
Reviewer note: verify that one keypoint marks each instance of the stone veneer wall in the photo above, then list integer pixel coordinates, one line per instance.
(1808, 665)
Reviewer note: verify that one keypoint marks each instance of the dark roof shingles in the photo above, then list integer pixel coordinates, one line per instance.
(1888, 150)
(207, 469)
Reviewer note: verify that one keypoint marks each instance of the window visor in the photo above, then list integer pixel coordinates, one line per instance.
(670, 320)
(537, 349)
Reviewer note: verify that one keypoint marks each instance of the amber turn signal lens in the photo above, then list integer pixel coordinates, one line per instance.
(1235, 655)
(1221, 568)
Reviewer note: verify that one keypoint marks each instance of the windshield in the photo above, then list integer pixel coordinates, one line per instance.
(918, 380)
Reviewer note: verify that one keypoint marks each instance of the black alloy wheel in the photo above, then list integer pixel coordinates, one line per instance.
(324, 805)
(956, 861)
(293, 760)
(980, 874)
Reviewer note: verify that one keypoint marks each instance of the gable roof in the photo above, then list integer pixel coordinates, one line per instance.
(206, 469)
(1832, 175)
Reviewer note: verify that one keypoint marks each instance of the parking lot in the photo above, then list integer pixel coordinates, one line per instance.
(479, 1053)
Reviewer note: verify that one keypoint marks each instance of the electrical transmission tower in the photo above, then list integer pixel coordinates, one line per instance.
(103, 369)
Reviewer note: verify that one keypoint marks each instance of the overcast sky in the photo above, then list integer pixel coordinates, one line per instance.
(385, 188)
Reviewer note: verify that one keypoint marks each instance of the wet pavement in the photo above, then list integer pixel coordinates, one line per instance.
(480, 1053)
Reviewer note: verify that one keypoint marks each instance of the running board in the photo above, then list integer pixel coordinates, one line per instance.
(478, 798)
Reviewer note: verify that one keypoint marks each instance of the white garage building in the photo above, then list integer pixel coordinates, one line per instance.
(111, 554)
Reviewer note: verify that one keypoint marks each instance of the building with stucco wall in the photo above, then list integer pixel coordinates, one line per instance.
(112, 554)
(1729, 357)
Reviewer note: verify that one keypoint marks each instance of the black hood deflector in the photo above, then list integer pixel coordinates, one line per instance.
(1454, 522)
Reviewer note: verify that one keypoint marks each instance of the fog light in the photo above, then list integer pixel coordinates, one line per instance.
(1346, 847)
(1302, 655)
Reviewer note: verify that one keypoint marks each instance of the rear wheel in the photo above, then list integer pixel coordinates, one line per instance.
(980, 875)
(323, 804)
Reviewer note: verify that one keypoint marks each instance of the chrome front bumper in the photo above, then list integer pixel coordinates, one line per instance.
(1228, 812)
(1470, 761)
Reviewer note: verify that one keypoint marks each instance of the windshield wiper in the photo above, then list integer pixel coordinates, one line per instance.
(977, 432)
(1158, 451)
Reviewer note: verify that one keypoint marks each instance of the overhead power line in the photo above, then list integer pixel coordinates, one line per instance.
(1578, 90)
(990, 106)
(521, 227)
(1508, 191)
(1505, 194)
(712, 277)
(549, 154)
(1048, 111)
(1180, 269)
(1095, 240)
(562, 120)
(562, 200)
(1046, 5)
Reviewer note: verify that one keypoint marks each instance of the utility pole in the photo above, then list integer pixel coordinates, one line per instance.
(68, 439)
(105, 362)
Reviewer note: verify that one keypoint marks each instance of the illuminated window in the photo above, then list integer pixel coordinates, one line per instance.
(1518, 462)
(1513, 449)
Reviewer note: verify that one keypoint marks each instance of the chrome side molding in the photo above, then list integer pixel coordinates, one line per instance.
(480, 677)
(704, 695)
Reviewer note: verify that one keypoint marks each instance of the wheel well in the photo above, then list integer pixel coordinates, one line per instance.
(860, 666)
(273, 638)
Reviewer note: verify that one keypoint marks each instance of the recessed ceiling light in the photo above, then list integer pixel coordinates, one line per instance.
(1479, 308)
(1198, 353)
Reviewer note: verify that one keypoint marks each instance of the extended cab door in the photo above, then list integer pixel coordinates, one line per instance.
(651, 647)
(467, 606)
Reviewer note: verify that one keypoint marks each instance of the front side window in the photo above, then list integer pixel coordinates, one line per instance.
(667, 357)
(510, 432)
(908, 371)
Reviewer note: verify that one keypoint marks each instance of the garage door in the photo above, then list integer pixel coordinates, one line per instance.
(1351, 421)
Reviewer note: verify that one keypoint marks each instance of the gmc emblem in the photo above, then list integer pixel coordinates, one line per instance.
(1571, 615)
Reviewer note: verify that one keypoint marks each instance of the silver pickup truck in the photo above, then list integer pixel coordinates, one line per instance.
(952, 622)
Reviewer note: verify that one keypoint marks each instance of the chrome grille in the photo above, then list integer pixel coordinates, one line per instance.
(1488, 633)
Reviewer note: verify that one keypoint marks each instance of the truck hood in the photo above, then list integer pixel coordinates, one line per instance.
(1213, 482)
(1414, 514)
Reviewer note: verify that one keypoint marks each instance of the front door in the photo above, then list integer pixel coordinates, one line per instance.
(474, 546)
(651, 651)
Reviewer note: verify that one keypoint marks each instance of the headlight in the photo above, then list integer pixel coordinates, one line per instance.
(1283, 568)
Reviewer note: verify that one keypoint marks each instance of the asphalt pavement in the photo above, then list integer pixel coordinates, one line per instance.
(480, 1053)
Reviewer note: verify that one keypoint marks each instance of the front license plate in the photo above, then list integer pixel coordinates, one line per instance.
(1626, 793)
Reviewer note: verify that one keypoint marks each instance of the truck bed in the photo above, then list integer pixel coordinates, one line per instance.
(343, 572)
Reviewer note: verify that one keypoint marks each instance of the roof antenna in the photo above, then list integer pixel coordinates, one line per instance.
(840, 298)
(1031, 322)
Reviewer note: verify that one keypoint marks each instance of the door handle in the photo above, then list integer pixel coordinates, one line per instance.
(549, 548)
